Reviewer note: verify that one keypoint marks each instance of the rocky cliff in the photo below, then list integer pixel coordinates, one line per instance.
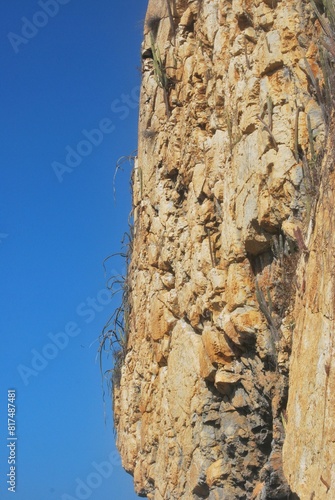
(227, 382)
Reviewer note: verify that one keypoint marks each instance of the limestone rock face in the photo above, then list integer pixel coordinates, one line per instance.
(229, 125)
(309, 448)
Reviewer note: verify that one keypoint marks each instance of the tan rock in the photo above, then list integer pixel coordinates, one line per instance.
(216, 345)
(310, 412)
(207, 370)
(217, 472)
(225, 380)
(161, 319)
(199, 179)
(239, 285)
(186, 18)
(220, 174)
(247, 321)
(270, 56)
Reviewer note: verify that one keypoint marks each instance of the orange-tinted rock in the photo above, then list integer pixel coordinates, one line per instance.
(228, 109)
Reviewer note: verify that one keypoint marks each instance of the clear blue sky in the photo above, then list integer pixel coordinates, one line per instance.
(76, 72)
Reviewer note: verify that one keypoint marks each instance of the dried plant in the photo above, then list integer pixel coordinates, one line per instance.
(114, 336)
(210, 243)
(152, 23)
(269, 103)
(121, 161)
(314, 81)
(266, 309)
(247, 61)
(327, 53)
(311, 141)
(266, 126)
(149, 133)
(233, 132)
(296, 135)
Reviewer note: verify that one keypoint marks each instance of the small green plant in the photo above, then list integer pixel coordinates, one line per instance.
(160, 73)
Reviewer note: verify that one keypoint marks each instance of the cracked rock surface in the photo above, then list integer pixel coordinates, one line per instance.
(221, 203)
